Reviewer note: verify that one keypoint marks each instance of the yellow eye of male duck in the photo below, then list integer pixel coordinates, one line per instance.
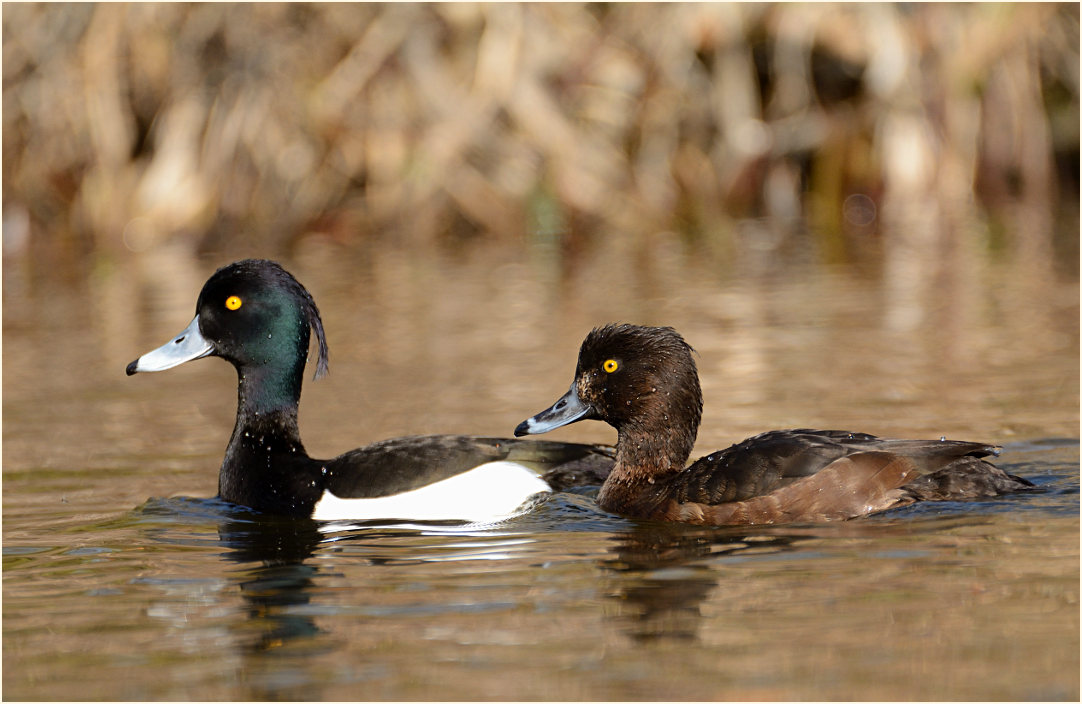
(233, 302)
(610, 365)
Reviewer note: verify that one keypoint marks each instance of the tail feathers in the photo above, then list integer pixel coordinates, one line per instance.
(965, 478)
(589, 471)
(549, 453)
(563, 465)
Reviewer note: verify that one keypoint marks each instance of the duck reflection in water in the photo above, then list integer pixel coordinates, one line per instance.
(276, 583)
(278, 576)
(275, 579)
(660, 576)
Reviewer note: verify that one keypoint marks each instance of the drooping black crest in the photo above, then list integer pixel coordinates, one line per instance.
(312, 313)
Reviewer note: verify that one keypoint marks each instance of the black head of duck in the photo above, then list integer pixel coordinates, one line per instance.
(257, 316)
(643, 382)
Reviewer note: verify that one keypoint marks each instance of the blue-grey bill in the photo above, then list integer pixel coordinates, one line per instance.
(188, 345)
(568, 409)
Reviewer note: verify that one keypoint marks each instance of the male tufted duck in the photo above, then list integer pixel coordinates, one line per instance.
(643, 382)
(254, 314)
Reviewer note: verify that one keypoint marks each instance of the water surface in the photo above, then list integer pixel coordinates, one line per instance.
(123, 580)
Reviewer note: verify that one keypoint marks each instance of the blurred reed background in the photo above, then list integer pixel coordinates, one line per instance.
(748, 132)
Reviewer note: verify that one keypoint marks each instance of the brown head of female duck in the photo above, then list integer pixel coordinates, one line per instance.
(643, 382)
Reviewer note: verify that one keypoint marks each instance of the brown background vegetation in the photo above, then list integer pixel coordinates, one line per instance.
(835, 132)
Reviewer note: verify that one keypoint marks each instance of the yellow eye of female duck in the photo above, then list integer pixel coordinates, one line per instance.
(233, 302)
(610, 365)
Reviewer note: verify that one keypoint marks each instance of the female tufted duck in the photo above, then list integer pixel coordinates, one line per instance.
(255, 315)
(643, 382)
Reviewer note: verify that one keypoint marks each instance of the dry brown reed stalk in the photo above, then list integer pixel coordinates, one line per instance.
(847, 127)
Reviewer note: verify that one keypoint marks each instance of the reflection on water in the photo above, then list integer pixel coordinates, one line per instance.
(109, 595)
(663, 577)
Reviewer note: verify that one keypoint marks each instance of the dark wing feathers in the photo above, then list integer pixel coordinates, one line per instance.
(406, 463)
(779, 458)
